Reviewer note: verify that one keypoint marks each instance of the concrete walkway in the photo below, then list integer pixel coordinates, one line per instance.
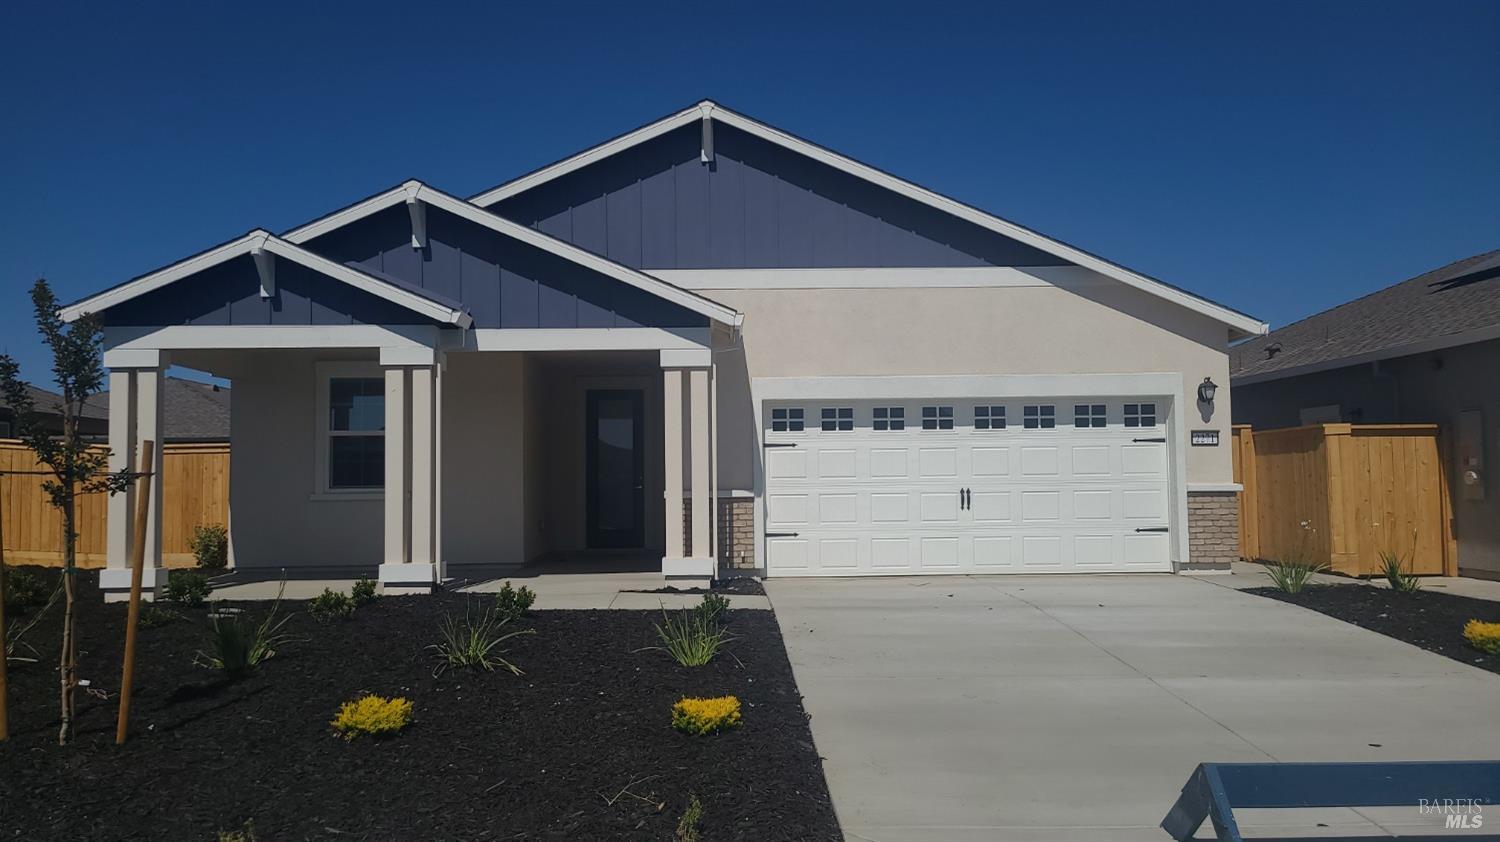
(1074, 708)
(555, 587)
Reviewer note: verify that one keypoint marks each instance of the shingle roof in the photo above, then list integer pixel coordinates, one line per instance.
(190, 410)
(1458, 298)
(47, 401)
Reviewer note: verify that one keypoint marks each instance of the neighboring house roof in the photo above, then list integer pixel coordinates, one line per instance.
(412, 297)
(416, 191)
(190, 410)
(1454, 305)
(48, 402)
(1239, 323)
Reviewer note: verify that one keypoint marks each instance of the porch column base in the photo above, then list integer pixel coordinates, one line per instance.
(688, 572)
(405, 579)
(115, 583)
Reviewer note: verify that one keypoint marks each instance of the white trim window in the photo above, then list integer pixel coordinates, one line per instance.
(786, 419)
(351, 428)
(937, 417)
(890, 418)
(1088, 415)
(1039, 416)
(838, 419)
(1140, 415)
(989, 417)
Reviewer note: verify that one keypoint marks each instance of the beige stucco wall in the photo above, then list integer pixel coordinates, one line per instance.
(1095, 329)
(484, 507)
(277, 521)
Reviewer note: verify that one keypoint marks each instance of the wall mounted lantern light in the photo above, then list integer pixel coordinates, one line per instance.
(1206, 390)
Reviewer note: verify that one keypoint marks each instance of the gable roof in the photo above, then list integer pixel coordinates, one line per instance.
(1452, 305)
(191, 411)
(411, 297)
(414, 190)
(1240, 324)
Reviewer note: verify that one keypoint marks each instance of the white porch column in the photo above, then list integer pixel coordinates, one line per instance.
(409, 564)
(689, 563)
(135, 408)
(672, 451)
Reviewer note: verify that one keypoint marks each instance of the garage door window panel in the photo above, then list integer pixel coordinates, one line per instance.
(989, 417)
(1088, 415)
(787, 420)
(890, 419)
(1140, 415)
(937, 417)
(838, 419)
(1039, 416)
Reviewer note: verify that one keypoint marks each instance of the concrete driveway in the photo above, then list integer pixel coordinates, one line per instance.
(1001, 708)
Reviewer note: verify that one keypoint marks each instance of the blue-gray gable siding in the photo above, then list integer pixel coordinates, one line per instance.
(503, 282)
(229, 294)
(758, 205)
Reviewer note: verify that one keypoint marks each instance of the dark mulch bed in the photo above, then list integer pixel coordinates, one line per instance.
(490, 756)
(736, 585)
(1429, 619)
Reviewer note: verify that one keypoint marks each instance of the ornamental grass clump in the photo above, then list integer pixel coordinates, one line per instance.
(374, 716)
(1483, 636)
(475, 643)
(1393, 566)
(237, 648)
(693, 637)
(706, 716)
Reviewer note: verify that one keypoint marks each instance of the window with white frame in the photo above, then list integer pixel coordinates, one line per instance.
(890, 418)
(838, 418)
(937, 417)
(1039, 416)
(989, 417)
(1087, 415)
(786, 419)
(352, 431)
(1140, 415)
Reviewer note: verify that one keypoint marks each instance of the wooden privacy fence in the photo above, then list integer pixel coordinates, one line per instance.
(195, 491)
(1344, 493)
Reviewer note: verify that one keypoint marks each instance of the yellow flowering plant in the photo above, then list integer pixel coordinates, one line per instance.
(1483, 636)
(374, 715)
(705, 716)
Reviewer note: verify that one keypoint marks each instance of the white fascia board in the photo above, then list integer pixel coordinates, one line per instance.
(269, 337)
(1240, 325)
(935, 277)
(583, 159)
(268, 243)
(586, 339)
(1436, 343)
(417, 191)
(1150, 384)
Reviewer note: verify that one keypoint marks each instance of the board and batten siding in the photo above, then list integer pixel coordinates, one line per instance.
(502, 282)
(757, 205)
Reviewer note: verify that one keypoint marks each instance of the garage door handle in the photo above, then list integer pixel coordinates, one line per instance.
(1152, 529)
(794, 444)
(781, 534)
(1158, 441)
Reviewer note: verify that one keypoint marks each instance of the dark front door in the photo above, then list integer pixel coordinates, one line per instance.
(616, 469)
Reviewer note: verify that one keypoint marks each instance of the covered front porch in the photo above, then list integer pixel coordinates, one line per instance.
(449, 461)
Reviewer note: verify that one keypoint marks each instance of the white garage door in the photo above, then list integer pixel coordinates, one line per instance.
(976, 486)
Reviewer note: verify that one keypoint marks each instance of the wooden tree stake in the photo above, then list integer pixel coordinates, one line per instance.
(137, 561)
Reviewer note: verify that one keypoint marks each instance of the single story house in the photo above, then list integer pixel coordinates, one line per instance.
(706, 341)
(191, 412)
(93, 420)
(1426, 350)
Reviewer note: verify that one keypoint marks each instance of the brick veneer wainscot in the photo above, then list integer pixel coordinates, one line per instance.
(736, 532)
(1213, 529)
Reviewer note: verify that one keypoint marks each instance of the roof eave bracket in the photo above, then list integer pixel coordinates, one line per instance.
(706, 152)
(417, 209)
(265, 267)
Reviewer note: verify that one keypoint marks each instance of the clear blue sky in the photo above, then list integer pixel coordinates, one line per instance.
(1276, 157)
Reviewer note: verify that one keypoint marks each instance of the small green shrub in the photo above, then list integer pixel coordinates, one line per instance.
(331, 605)
(237, 648)
(1483, 636)
(155, 616)
(1292, 576)
(713, 607)
(187, 587)
(210, 546)
(363, 592)
(690, 638)
(475, 643)
(687, 826)
(706, 716)
(372, 715)
(511, 603)
(24, 589)
(245, 834)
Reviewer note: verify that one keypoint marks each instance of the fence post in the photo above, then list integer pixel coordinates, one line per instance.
(1343, 553)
